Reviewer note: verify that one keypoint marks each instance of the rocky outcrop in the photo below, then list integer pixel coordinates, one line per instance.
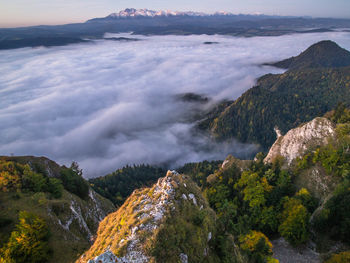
(286, 253)
(80, 218)
(136, 229)
(301, 139)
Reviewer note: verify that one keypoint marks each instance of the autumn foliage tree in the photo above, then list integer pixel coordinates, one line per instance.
(28, 243)
(295, 218)
(257, 246)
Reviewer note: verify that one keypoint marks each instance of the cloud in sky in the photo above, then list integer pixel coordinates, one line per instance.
(107, 104)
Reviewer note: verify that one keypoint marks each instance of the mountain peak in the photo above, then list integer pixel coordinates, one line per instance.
(323, 54)
(133, 12)
(143, 227)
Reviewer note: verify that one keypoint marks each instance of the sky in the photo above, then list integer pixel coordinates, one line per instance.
(35, 12)
(108, 104)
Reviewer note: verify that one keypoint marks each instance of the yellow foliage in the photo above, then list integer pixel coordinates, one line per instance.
(343, 257)
(302, 191)
(250, 241)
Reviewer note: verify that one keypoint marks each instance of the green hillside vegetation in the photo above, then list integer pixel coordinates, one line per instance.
(33, 204)
(256, 202)
(200, 171)
(263, 199)
(28, 243)
(284, 100)
(118, 185)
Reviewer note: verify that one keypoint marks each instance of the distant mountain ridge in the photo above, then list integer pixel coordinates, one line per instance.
(132, 12)
(150, 22)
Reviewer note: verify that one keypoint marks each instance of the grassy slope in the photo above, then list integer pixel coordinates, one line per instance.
(68, 244)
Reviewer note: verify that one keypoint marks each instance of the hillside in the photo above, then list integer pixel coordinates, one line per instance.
(285, 100)
(324, 54)
(273, 208)
(169, 222)
(55, 194)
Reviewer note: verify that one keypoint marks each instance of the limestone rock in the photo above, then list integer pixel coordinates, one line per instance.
(128, 234)
(301, 139)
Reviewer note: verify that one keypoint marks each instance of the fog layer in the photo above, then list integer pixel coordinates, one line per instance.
(111, 103)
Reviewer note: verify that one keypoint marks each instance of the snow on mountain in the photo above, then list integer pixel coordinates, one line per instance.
(132, 12)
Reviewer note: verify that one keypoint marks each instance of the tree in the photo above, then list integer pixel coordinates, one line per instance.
(28, 243)
(254, 188)
(295, 218)
(257, 246)
(307, 199)
(10, 179)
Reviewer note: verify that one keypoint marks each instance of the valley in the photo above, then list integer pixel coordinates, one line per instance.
(176, 137)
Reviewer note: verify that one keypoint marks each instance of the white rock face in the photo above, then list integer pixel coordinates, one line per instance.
(183, 258)
(107, 257)
(296, 142)
(81, 212)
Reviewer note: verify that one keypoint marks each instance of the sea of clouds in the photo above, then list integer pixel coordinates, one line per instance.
(111, 103)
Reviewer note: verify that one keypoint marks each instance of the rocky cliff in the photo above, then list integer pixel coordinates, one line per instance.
(170, 220)
(301, 139)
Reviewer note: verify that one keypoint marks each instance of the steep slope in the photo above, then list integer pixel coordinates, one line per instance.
(283, 100)
(298, 142)
(324, 54)
(72, 220)
(302, 139)
(169, 222)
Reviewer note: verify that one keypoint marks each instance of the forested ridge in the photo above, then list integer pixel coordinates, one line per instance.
(283, 100)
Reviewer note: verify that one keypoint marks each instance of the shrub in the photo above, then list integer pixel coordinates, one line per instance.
(32, 181)
(338, 213)
(55, 187)
(74, 182)
(10, 179)
(295, 218)
(343, 257)
(28, 243)
(307, 199)
(18, 177)
(257, 246)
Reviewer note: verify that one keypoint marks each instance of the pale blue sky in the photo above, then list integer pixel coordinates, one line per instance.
(34, 12)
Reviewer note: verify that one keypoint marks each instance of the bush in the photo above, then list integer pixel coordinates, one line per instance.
(295, 218)
(32, 181)
(74, 182)
(10, 179)
(55, 187)
(257, 246)
(18, 177)
(343, 257)
(307, 199)
(337, 214)
(28, 243)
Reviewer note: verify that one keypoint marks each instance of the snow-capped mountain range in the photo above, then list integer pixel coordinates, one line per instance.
(132, 12)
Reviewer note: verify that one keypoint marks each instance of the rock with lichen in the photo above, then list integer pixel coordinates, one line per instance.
(168, 219)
